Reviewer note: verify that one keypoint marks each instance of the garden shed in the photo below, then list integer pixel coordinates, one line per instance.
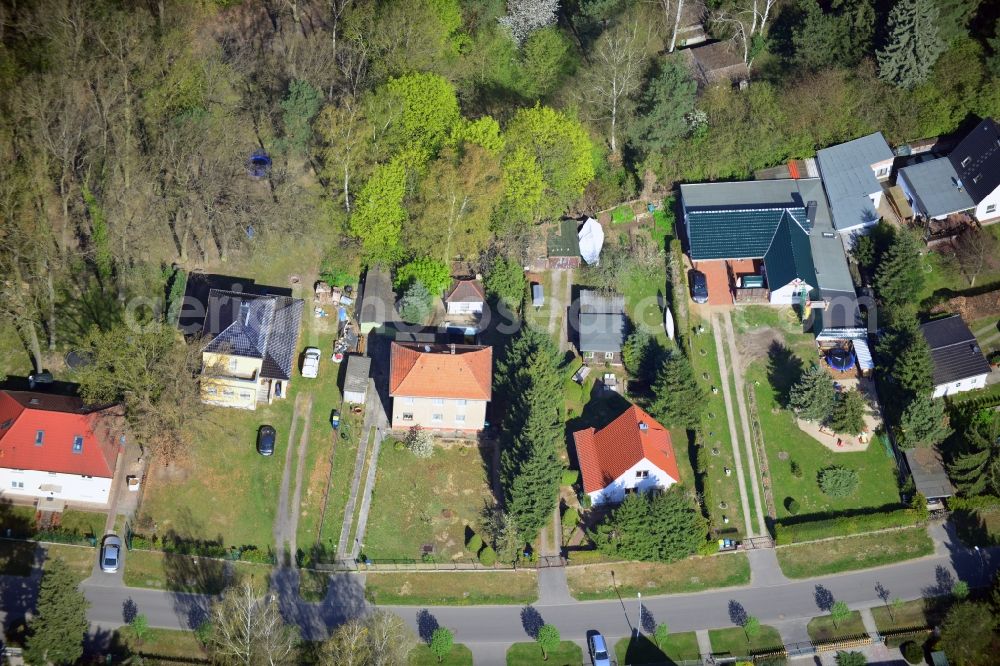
(356, 379)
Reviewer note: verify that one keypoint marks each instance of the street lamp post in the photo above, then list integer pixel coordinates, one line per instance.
(638, 627)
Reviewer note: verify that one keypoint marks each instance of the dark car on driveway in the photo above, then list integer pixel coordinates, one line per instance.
(699, 287)
(265, 440)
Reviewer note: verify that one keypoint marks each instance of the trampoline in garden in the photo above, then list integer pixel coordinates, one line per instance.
(840, 360)
(259, 164)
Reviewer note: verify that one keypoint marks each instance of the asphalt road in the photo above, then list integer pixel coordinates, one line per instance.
(769, 601)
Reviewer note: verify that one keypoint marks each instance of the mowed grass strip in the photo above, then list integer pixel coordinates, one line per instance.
(855, 552)
(594, 581)
(420, 502)
(824, 630)
(734, 642)
(911, 614)
(460, 655)
(642, 650)
(451, 588)
(182, 573)
(17, 558)
(165, 643)
(566, 653)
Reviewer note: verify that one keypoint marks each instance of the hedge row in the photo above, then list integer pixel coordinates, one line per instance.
(203, 549)
(63, 536)
(974, 503)
(798, 532)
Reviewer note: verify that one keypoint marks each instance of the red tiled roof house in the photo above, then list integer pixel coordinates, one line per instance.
(440, 386)
(54, 447)
(633, 453)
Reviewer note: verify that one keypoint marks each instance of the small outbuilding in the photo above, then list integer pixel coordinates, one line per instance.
(356, 379)
(465, 297)
(563, 245)
(929, 475)
(378, 303)
(958, 362)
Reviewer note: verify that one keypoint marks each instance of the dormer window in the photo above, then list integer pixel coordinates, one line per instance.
(978, 177)
(78, 444)
(6, 424)
(39, 437)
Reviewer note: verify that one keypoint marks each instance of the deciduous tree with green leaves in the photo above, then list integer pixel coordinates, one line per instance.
(422, 110)
(442, 641)
(59, 624)
(435, 275)
(751, 627)
(678, 399)
(968, 634)
(839, 612)
(377, 220)
(548, 639)
(813, 396)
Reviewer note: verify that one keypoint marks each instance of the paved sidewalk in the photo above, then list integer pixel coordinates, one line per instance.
(869, 621)
(730, 415)
(704, 644)
(373, 416)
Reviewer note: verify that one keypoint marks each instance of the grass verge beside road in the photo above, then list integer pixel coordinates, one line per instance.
(165, 643)
(856, 552)
(452, 588)
(529, 654)
(823, 629)
(733, 641)
(422, 656)
(594, 581)
(911, 614)
(17, 558)
(181, 573)
(678, 647)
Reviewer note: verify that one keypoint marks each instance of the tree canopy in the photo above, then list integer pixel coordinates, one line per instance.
(653, 527)
(59, 624)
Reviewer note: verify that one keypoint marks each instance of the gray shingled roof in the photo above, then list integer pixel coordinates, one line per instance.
(954, 350)
(929, 475)
(601, 332)
(933, 185)
(377, 300)
(595, 302)
(358, 370)
(847, 174)
(254, 326)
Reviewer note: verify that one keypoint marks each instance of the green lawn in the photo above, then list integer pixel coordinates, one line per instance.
(622, 215)
(165, 643)
(721, 490)
(345, 452)
(855, 552)
(679, 647)
(313, 584)
(80, 559)
(943, 277)
(450, 588)
(733, 641)
(914, 614)
(595, 581)
(822, 629)
(460, 655)
(432, 501)
(783, 438)
(529, 654)
(17, 558)
(88, 523)
(181, 573)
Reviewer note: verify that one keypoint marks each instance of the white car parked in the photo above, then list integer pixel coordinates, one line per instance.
(310, 364)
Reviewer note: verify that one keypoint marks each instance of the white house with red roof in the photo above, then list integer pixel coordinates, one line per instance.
(633, 453)
(440, 386)
(55, 447)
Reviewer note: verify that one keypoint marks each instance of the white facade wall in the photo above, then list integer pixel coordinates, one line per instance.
(970, 384)
(788, 295)
(630, 479)
(466, 307)
(883, 169)
(71, 487)
(989, 208)
(438, 413)
(908, 193)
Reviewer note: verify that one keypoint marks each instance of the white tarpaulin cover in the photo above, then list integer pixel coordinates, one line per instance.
(863, 354)
(591, 240)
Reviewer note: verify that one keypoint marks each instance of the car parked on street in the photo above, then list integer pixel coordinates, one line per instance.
(598, 649)
(310, 362)
(699, 287)
(111, 551)
(266, 435)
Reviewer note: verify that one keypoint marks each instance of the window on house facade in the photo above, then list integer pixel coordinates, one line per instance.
(438, 402)
(246, 395)
(407, 416)
(588, 354)
(461, 403)
(234, 363)
(228, 392)
(407, 401)
(39, 437)
(609, 355)
(78, 444)
(642, 474)
(883, 172)
(211, 390)
(437, 418)
(17, 484)
(991, 208)
(460, 418)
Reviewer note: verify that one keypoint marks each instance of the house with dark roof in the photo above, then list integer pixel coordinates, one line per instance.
(251, 348)
(562, 246)
(966, 180)
(959, 364)
(753, 234)
(54, 448)
(465, 297)
(853, 174)
(378, 302)
(717, 61)
(601, 327)
(441, 387)
(633, 453)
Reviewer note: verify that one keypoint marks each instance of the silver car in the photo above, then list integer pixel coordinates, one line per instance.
(310, 363)
(598, 650)
(111, 551)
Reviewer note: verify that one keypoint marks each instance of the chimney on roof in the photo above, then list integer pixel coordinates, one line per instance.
(427, 348)
(245, 312)
(811, 213)
(642, 426)
(452, 345)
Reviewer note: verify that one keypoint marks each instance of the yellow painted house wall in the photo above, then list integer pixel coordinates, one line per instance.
(229, 380)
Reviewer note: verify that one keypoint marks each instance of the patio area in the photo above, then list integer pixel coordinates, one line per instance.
(848, 443)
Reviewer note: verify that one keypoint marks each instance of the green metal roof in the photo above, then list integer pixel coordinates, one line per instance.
(563, 241)
(736, 233)
(790, 255)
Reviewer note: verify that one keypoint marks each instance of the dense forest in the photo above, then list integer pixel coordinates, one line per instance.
(414, 130)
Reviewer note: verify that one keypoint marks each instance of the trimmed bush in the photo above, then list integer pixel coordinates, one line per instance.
(974, 503)
(256, 555)
(795, 468)
(837, 481)
(475, 543)
(913, 653)
(570, 518)
(488, 557)
(792, 505)
(570, 477)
